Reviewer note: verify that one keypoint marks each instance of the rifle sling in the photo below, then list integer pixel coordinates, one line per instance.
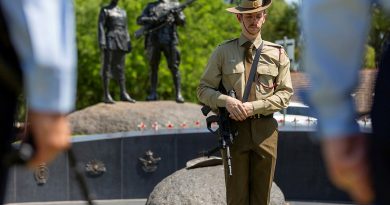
(252, 73)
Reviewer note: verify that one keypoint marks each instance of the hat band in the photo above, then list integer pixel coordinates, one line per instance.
(244, 9)
(251, 4)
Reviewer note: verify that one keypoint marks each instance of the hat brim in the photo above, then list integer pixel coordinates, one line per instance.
(241, 10)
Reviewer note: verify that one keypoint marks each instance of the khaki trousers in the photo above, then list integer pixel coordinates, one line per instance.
(253, 162)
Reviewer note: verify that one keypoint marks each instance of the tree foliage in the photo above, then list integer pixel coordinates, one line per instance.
(380, 30)
(207, 25)
(369, 59)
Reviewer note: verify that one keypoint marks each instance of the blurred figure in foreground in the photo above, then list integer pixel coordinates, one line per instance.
(38, 50)
(335, 33)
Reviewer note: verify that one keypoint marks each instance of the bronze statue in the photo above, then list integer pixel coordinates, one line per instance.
(114, 41)
(161, 19)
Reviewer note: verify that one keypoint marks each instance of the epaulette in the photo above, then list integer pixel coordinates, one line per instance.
(228, 41)
(277, 53)
(267, 43)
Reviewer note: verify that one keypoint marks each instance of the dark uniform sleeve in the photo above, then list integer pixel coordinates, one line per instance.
(128, 40)
(146, 18)
(101, 29)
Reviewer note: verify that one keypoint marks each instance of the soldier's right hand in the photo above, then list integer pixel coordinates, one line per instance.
(236, 109)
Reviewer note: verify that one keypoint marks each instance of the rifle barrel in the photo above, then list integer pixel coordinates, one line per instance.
(229, 160)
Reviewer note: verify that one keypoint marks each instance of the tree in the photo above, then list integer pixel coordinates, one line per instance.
(380, 30)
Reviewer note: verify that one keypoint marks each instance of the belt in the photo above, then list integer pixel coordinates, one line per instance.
(260, 116)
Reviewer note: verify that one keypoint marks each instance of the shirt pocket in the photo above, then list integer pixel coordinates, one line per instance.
(233, 75)
(265, 80)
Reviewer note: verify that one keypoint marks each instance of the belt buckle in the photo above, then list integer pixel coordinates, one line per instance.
(255, 116)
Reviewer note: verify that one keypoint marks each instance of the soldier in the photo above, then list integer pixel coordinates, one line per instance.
(114, 41)
(164, 39)
(254, 149)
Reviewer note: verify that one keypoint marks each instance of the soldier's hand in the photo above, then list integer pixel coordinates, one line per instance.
(236, 109)
(248, 108)
(51, 136)
(170, 18)
(129, 47)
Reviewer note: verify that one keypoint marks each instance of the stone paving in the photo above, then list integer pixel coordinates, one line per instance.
(142, 202)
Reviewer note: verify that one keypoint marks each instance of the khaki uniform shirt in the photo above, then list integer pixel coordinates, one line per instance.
(272, 79)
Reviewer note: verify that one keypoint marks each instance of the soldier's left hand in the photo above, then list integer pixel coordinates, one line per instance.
(236, 109)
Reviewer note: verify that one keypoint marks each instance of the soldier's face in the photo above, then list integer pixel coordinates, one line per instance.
(252, 23)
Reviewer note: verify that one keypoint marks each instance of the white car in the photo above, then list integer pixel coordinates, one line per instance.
(296, 115)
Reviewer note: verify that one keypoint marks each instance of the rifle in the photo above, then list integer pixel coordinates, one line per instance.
(162, 18)
(225, 131)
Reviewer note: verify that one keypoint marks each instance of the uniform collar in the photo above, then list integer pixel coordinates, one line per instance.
(256, 42)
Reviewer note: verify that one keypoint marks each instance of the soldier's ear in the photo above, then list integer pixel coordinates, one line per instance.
(265, 17)
(265, 14)
(239, 17)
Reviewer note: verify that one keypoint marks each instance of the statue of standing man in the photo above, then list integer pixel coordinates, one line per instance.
(163, 39)
(114, 42)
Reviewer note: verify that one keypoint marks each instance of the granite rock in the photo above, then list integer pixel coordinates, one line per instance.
(200, 186)
(124, 117)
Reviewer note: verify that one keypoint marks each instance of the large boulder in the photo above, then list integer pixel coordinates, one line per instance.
(199, 186)
(124, 117)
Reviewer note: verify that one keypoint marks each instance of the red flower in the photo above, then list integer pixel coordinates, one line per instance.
(141, 126)
(169, 125)
(183, 125)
